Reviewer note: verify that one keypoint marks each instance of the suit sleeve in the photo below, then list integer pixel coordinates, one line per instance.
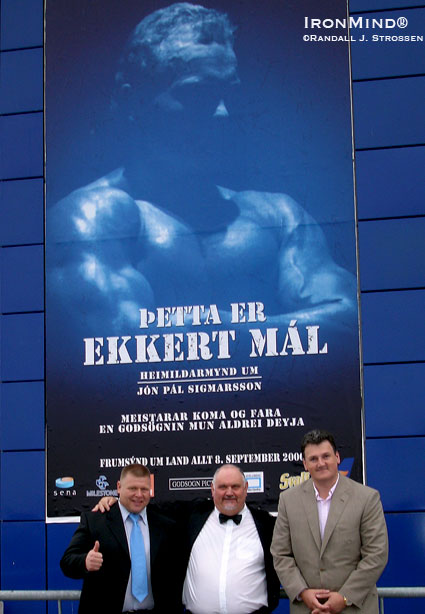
(373, 552)
(73, 562)
(286, 568)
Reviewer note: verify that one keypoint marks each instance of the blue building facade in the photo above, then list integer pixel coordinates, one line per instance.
(388, 94)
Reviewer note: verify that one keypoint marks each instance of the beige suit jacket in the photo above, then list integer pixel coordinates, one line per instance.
(352, 554)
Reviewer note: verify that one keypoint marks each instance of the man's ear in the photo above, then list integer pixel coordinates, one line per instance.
(338, 457)
(119, 487)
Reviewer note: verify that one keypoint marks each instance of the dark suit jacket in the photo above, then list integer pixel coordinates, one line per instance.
(104, 590)
(196, 516)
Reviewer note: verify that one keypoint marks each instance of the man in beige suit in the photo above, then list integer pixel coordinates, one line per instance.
(330, 542)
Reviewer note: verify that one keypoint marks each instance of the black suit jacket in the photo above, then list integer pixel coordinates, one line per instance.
(104, 590)
(196, 516)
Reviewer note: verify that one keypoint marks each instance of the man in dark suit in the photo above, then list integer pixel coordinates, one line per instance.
(228, 563)
(102, 552)
(225, 563)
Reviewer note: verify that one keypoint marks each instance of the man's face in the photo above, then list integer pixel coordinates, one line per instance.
(134, 492)
(322, 463)
(207, 81)
(229, 491)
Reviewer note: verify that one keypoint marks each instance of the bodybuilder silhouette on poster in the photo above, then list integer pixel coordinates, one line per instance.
(165, 228)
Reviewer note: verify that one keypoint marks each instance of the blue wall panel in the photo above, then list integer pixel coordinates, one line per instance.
(393, 326)
(22, 548)
(21, 146)
(22, 416)
(382, 58)
(396, 467)
(22, 486)
(376, 5)
(392, 254)
(394, 400)
(21, 200)
(68, 607)
(23, 567)
(21, 23)
(21, 81)
(283, 607)
(402, 529)
(407, 560)
(22, 279)
(20, 570)
(58, 538)
(404, 606)
(389, 112)
(388, 182)
(22, 342)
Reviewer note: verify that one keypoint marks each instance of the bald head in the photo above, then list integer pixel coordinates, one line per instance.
(229, 489)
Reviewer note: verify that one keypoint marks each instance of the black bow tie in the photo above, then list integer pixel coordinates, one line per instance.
(223, 518)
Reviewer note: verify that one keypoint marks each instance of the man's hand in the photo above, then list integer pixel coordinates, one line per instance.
(94, 558)
(104, 505)
(334, 604)
(312, 598)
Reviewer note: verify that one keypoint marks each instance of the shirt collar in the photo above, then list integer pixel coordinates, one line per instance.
(331, 491)
(125, 513)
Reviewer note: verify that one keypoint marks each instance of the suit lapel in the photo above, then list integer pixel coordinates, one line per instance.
(155, 534)
(196, 522)
(261, 528)
(116, 526)
(338, 503)
(310, 507)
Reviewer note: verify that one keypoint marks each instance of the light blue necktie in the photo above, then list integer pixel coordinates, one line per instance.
(139, 576)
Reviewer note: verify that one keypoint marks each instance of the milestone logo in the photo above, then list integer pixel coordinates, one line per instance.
(102, 483)
(102, 489)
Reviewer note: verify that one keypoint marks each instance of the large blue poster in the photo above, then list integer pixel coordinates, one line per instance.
(201, 291)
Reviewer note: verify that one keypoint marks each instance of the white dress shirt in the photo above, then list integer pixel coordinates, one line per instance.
(323, 507)
(226, 573)
(130, 602)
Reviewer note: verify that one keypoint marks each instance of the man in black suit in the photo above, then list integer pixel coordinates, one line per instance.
(225, 559)
(101, 552)
(228, 563)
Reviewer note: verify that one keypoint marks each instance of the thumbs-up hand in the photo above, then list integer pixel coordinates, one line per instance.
(94, 558)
